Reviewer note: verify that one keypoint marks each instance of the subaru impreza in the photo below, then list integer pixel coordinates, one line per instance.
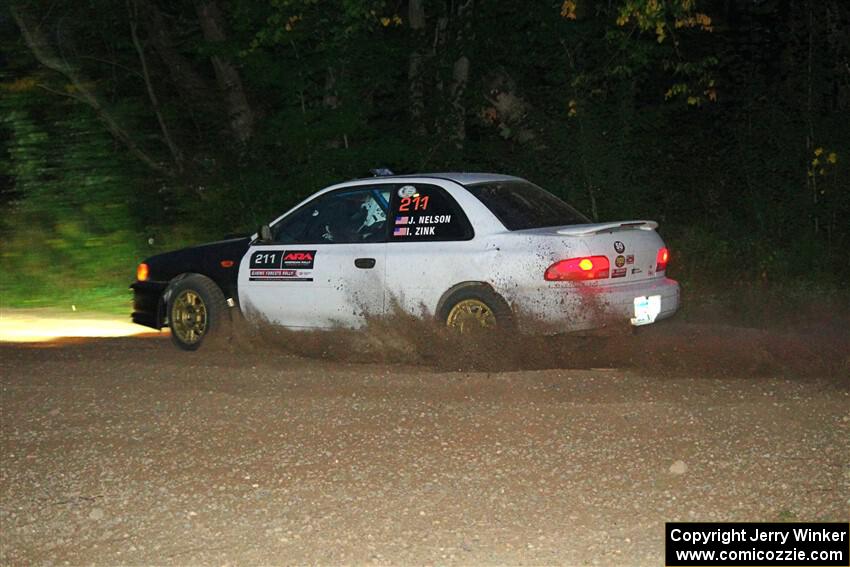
(473, 250)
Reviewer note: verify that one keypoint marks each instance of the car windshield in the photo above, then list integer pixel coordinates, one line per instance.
(520, 205)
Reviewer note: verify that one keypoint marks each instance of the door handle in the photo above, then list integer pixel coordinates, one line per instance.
(365, 263)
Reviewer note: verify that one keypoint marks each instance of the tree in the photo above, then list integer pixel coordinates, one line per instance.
(42, 50)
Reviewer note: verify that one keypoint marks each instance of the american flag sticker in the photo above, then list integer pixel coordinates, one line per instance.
(401, 231)
(402, 220)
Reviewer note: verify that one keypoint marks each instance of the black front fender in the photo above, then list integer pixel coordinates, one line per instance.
(148, 304)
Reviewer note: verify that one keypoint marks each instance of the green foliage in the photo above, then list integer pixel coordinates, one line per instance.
(725, 121)
(69, 229)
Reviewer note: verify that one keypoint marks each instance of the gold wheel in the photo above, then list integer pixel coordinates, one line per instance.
(189, 317)
(470, 314)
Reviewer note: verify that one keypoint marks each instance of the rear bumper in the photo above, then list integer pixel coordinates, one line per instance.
(148, 308)
(621, 300)
(560, 307)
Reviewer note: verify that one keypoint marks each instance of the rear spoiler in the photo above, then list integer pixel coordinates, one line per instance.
(582, 229)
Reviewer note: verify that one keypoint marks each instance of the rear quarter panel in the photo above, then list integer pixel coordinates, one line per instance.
(419, 273)
(517, 274)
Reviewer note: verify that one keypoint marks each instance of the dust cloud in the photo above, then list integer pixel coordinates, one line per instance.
(701, 342)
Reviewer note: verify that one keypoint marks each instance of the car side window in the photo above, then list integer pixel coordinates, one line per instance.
(342, 217)
(425, 213)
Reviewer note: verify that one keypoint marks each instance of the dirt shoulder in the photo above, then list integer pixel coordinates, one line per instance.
(128, 451)
(41, 325)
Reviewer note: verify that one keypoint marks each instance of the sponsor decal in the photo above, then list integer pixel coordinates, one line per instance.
(403, 220)
(618, 273)
(620, 261)
(281, 265)
(279, 276)
(636, 270)
(299, 259)
(619, 247)
(407, 191)
(630, 259)
(283, 259)
(274, 273)
(401, 231)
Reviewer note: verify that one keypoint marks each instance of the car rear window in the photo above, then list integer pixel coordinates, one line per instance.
(520, 205)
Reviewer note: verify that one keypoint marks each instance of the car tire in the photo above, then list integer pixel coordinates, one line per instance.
(197, 312)
(476, 307)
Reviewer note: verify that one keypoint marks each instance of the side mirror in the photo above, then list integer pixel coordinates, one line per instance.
(265, 234)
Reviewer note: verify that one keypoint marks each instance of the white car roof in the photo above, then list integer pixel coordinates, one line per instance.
(461, 177)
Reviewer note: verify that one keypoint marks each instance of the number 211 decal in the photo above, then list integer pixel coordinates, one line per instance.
(419, 203)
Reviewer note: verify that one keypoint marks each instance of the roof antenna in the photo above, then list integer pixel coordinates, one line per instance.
(381, 172)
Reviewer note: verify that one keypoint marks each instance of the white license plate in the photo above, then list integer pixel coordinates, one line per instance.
(647, 309)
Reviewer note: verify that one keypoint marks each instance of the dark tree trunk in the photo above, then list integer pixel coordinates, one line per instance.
(44, 53)
(460, 75)
(193, 89)
(415, 72)
(460, 78)
(330, 100)
(176, 154)
(239, 111)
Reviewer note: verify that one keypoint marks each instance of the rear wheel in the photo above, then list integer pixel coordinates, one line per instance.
(196, 310)
(475, 309)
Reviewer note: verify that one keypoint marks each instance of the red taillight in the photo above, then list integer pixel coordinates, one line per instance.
(577, 269)
(142, 272)
(661, 260)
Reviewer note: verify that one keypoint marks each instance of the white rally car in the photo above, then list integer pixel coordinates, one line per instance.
(470, 249)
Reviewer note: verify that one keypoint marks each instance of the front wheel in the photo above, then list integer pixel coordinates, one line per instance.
(196, 309)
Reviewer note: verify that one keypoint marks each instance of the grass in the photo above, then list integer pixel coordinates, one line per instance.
(105, 299)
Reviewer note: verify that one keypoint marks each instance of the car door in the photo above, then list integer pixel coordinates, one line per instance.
(325, 265)
(430, 247)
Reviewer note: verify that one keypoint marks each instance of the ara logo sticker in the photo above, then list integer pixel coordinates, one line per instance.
(619, 247)
(291, 259)
(620, 261)
(407, 191)
(299, 259)
(281, 266)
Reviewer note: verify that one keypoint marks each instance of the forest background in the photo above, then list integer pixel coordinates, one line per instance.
(136, 126)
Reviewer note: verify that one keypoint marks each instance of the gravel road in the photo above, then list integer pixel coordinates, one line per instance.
(127, 451)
